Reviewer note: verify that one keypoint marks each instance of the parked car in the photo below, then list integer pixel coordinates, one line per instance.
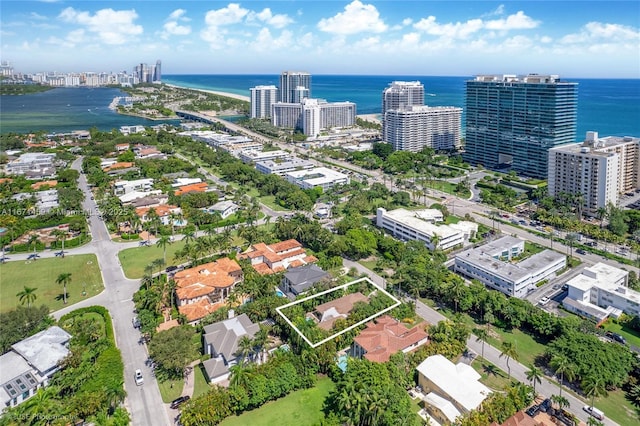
(171, 268)
(546, 404)
(138, 377)
(179, 401)
(594, 412)
(135, 321)
(33, 256)
(615, 336)
(581, 251)
(533, 410)
(544, 301)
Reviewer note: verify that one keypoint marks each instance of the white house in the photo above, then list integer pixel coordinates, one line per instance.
(225, 208)
(126, 186)
(319, 176)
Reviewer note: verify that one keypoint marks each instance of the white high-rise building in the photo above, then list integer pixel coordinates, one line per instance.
(337, 114)
(413, 128)
(287, 115)
(294, 86)
(599, 169)
(399, 95)
(311, 117)
(262, 97)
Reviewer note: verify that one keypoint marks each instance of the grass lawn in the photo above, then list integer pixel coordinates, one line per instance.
(617, 408)
(443, 186)
(632, 336)
(270, 201)
(201, 386)
(170, 389)
(491, 376)
(134, 260)
(299, 408)
(369, 264)
(42, 275)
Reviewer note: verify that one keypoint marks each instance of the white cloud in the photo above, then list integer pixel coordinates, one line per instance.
(266, 42)
(173, 27)
(519, 21)
(598, 31)
(266, 16)
(111, 26)
(232, 14)
(34, 15)
(450, 30)
(356, 18)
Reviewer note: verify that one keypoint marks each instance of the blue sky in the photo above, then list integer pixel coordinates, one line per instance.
(569, 38)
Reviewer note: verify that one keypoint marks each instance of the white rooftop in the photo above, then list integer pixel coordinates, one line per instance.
(599, 275)
(411, 219)
(444, 405)
(458, 381)
(317, 176)
(45, 349)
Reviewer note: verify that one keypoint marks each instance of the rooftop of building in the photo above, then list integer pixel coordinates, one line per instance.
(418, 220)
(386, 336)
(595, 145)
(486, 257)
(606, 277)
(317, 175)
(285, 164)
(45, 349)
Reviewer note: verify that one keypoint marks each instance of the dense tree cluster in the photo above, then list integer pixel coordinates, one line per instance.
(21, 323)
(173, 350)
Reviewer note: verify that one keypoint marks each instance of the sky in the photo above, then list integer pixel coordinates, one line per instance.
(580, 39)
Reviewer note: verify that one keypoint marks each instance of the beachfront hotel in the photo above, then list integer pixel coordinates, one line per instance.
(512, 121)
(262, 97)
(413, 128)
(294, 86)
(599, 169)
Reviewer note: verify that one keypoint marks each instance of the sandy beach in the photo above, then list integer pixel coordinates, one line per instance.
(215, 92)
(375, 118)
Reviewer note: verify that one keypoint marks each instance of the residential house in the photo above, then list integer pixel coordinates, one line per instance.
(118, 165)
(385, 337)
(182, 181)
(148, 152)
(520, 419)
(48, 183)
(298, 280)
(32, 162)
(451, 389)
(153, 201)
(268, 259)
(224, 208)
(221, 342)
(121, 187)
(30, 364)
(120, 147)
(204, 289)
(194, 187)
(326, 314)
(164, 212)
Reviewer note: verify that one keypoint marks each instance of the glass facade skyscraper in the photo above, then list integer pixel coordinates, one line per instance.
(513, 121)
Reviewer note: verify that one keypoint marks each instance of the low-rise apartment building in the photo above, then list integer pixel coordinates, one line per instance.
(322, 177)
(494, 264)
(32, 162)
(253, 155)
(600, 291)
(421, 225)
(281, 168)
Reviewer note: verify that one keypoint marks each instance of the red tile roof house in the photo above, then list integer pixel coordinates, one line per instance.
(269, 259)
(204, 289)
(385, 337)
(327, 313)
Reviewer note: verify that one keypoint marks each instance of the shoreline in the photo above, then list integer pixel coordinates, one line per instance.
(213, 92)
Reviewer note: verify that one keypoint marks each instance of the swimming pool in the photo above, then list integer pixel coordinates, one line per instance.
(342, 362)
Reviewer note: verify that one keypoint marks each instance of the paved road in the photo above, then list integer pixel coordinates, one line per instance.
(143, 401)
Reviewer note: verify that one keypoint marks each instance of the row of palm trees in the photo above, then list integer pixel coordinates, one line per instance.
(593, 385)
(28, 294)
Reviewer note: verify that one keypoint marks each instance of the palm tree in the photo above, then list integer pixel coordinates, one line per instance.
(245, 346)
(592, 421)
(482, 335)
(457, 290)
(33, 239)
(493, 214)
(28, 295)
(240, 375)
(509, 351)
(64, 279)
(563, 366)
(571, 239)
(60, 236)
(601, 214)
(534, 375)
(163, 242)
(115, 395)
(594, 385)
(561, 401)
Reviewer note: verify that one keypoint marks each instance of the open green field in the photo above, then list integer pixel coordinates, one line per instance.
(490, 375)
(42, 274)
(618, 408)
(135, 259)
(269, 201)
(300, 408)
(170, 389)
(632, 336)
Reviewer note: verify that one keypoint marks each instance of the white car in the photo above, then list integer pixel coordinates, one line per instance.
(544, 301)
(138, 377)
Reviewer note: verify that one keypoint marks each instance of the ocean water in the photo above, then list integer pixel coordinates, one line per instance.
(608, 106)
(65, 109)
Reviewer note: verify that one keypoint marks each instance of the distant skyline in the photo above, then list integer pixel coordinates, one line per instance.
(580, 39)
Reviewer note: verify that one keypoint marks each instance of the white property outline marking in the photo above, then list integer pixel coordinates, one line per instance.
(343, 286)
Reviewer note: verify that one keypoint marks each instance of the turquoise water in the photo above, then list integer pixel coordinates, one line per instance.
(342, 362)
(609, 106)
